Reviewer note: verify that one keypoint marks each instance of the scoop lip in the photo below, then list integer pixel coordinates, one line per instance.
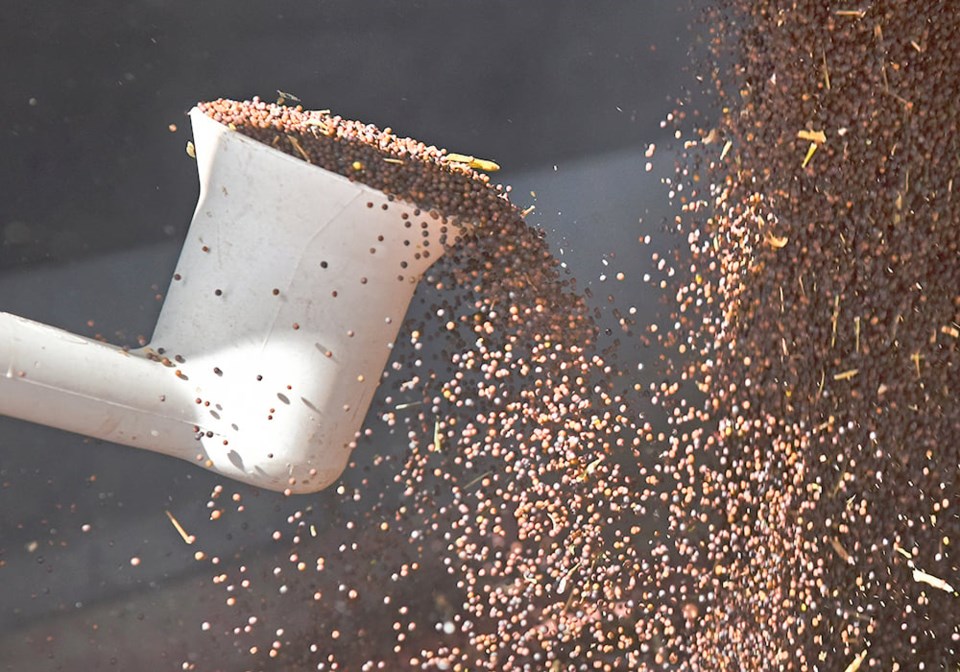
(390, 163)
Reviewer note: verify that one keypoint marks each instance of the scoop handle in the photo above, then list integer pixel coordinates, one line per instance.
(55, 378)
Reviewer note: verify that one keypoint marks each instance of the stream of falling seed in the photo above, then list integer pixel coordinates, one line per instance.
(798, 510)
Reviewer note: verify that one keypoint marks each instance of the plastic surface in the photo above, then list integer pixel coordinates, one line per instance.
(59, 379)
(289, 292)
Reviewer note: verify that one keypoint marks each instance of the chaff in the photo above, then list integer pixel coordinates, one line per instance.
(856, 662)
(187, 538)
(921, 576)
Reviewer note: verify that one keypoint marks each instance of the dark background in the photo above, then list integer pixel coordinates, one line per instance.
(97, 194)
(90, 88)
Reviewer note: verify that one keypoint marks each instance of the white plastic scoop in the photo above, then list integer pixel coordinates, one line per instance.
(288, 295)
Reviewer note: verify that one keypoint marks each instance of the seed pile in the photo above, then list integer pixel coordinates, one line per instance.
(400, 167)
(799, 508)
